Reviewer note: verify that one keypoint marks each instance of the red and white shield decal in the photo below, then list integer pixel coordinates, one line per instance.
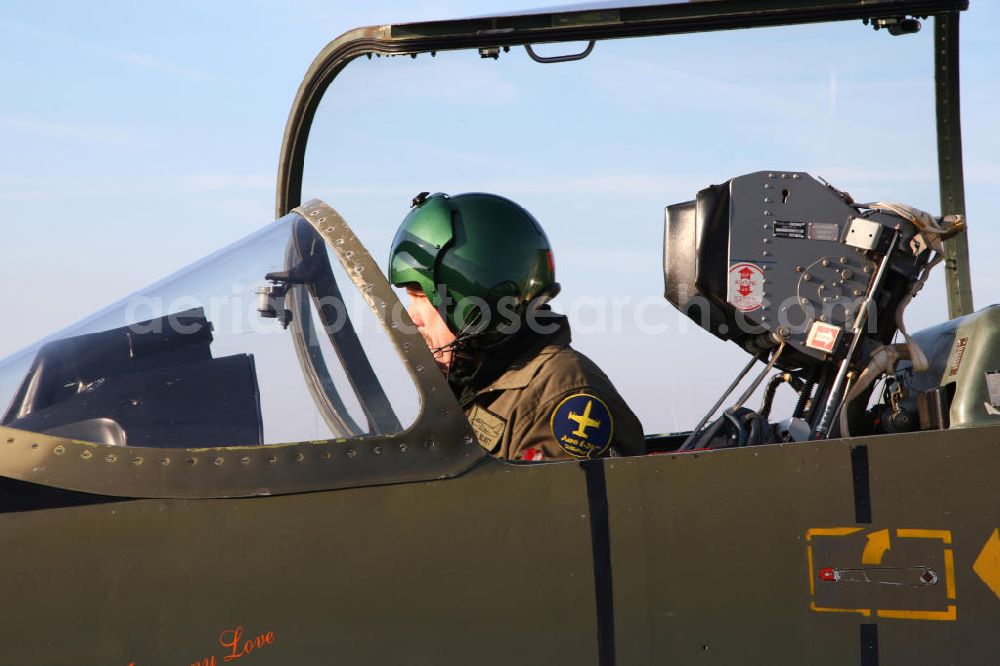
(746, 286)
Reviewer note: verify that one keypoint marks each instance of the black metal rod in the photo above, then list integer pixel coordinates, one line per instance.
(718, 403)
(837, 389)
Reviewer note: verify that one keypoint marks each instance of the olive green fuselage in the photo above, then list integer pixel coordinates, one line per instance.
(709, 559)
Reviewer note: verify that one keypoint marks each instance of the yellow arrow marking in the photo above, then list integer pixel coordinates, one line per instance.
(949, 572)
(944, 535)
(987, 565)
(830, 531)
(878, 544)
(861, 611)
(949, 615)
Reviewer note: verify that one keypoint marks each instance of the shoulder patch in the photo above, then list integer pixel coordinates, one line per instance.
(582, 425)
(488, 428)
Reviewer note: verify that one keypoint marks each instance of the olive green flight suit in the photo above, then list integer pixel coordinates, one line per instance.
(553, 403)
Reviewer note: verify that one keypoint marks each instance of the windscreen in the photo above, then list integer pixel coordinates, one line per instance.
(597, 148)
(266, 341)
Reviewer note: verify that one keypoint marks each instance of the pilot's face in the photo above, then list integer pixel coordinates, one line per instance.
(431, 326)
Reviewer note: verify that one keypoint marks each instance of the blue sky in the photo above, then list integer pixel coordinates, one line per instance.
(138, 137)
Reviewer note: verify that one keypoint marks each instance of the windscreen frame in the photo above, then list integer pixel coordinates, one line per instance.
(491, 34)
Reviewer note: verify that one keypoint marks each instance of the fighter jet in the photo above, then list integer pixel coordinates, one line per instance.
(257, 461)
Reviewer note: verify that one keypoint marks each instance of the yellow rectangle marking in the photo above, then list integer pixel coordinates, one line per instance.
(949, 572)
(949, 615)
(830, 531)
(944, 535)
(812, 582)
(863, 611)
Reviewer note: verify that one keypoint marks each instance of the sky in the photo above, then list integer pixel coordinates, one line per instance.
(138, 137)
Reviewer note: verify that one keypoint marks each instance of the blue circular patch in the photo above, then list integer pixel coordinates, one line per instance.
(582, 425)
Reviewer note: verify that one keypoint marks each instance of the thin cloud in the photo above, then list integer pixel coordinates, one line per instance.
(427, 78)
(211, 182)
(19, 188)
(980, 173)
(150, 63)
(616, 183)
(841, 174)
(133, 58)
(92, 134)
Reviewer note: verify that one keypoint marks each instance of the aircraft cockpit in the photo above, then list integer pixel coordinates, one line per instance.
(290, 345)
(256, 344)
(259, 456)
(276, 339)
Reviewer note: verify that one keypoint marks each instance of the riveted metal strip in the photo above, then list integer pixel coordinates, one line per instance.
(950, 173)
(440, 443)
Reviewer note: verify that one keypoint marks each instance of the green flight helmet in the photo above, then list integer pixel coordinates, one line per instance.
(474, 250)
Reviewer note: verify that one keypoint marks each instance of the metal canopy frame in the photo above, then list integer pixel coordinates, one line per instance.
(439, 444)
(597, 21)
(950, 173)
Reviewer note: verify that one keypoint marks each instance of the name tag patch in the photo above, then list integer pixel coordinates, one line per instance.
(488, 428)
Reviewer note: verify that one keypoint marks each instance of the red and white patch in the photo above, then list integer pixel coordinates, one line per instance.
(746, 286)
(823, 337)
(532, 454)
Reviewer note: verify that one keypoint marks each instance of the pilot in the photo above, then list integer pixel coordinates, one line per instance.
(478, 271)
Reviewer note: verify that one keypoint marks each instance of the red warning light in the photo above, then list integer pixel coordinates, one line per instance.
(829, 574)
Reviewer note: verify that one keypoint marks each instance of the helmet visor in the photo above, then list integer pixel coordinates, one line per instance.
(421, 239)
